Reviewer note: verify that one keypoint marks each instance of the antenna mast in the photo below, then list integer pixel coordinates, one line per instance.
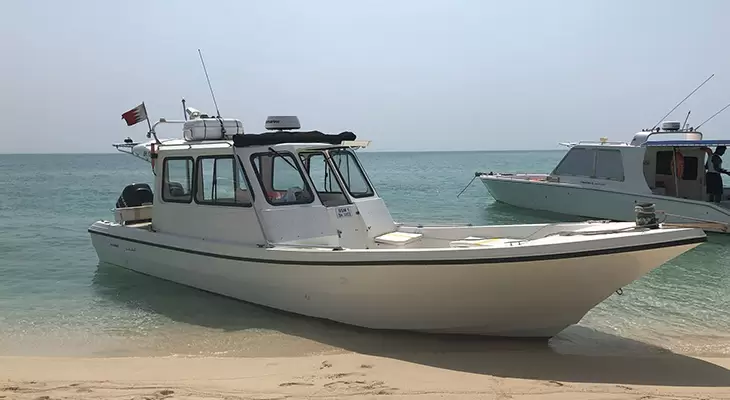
(185, 113)
(209, 85)
(680, 103)
(684, 126)
(713, 116)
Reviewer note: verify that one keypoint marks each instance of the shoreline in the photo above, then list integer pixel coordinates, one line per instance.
(502, 374)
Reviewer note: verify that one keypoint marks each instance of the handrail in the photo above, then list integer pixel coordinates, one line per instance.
(152, 131)
(190, 144)
(619, 142)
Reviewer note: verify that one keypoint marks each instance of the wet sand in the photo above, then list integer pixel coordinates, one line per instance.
(221, 349)
(364, 364)
(502, 374)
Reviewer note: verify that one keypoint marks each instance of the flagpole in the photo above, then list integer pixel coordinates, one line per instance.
(147, 116)
(149, 125)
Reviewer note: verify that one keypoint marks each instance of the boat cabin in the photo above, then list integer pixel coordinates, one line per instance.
(662, 167)
(282, 186)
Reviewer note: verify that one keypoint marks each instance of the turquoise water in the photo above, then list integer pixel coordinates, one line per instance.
(56, 300)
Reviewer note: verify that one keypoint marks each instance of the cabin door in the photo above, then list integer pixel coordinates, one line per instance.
(343, 216)
(681, 172)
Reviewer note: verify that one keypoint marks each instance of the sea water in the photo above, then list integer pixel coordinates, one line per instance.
(55, 298)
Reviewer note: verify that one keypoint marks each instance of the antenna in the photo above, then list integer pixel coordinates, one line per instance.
(209, 85)
(713, 116)
(680, 103)
(684, 126)
(185, 114)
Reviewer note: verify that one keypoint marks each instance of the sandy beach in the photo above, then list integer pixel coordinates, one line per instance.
(290, 148)
(512, 372)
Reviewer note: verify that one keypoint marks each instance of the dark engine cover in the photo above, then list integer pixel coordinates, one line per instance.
(135, 195)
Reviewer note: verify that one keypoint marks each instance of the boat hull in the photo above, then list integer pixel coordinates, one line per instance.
(535, 298)
(588, 202)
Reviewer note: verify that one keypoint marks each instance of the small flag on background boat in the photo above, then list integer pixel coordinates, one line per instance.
(135, 115)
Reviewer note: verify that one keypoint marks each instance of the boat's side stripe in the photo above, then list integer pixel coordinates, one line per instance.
(494, 260)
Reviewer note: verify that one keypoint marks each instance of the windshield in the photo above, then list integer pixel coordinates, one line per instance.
(352, 175)
(281, 179)
(323, 178)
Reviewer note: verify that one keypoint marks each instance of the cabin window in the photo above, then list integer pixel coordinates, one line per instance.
(664, 162)
(578, 162)
(664, 165)
(281, 179)
(177, 175)
(351, 173)
(221, 181)
(324, 179)
(609, 165)
(285, 175)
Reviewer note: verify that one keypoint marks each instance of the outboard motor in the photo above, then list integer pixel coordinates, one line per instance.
(135, 195)
(646, 216)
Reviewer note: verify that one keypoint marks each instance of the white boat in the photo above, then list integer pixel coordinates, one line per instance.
(290, 220)
(606, 179)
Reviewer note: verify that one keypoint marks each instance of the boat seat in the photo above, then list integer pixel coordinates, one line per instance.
(398, 238)
(291, 194)
(473, 241)
(175, 189)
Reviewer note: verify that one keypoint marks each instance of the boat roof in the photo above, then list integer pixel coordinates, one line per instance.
(282, 131)
(688, 143)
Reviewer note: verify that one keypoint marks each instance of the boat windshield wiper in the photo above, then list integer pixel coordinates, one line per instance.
(284, 158)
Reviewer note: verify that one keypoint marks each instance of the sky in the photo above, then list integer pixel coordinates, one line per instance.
(410, 75)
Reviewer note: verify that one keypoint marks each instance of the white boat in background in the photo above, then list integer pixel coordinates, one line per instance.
(607, 179)
(290, 220)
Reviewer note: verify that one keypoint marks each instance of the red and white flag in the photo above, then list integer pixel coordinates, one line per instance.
(135, 115)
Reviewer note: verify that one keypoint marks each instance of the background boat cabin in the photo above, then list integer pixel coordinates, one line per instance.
(678, 172)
